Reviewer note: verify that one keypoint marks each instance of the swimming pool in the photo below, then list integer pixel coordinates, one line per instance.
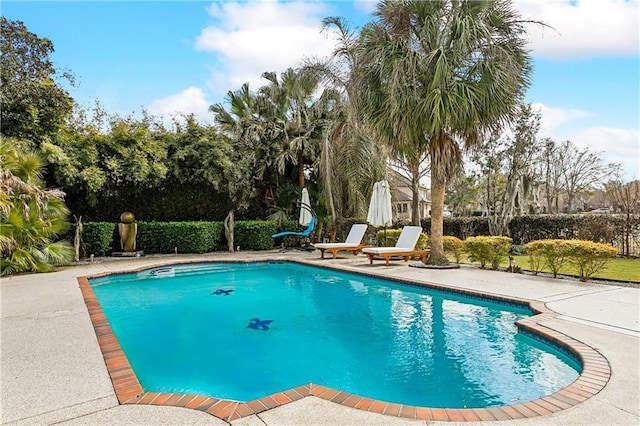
(242, 331)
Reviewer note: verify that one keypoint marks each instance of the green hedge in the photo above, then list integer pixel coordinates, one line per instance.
(101, 238)
(97, 238)
(185, 237)
(461, 227)
(254, 234)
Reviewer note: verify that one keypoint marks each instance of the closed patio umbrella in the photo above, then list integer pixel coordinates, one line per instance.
(380, 212)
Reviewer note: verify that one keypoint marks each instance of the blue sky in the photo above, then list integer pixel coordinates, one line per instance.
(169, 57)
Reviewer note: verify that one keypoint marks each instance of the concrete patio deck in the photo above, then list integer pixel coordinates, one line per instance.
(52, 369)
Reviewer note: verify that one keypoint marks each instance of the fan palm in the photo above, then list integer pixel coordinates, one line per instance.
(31, 216)
(437, 75)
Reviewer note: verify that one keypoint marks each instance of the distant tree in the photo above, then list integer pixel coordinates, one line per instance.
(552, 174)
(31, 215)
(489, 158)
(520, 154)
(625, 198)
(34, 105)
(417, 165)
(462, 193)
(582, 170)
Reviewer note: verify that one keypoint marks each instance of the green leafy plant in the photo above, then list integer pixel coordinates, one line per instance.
(487, 250)
(453, 246)
(551, 253)
(589, 257)
(32, 217)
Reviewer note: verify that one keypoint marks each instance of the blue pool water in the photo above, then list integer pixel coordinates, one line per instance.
(243, 331)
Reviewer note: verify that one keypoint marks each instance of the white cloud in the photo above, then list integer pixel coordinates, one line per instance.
(553, 118)
(617, 145)
(582, 28)
(367, 6)
(252, 37)
(190, 101)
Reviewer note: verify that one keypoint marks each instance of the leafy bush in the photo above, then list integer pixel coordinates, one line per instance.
(485, 250)
(98, 237)
(453, 246)
(185, 237)
(392, 236)
(588, 257)
(550, 253)
(254, 234)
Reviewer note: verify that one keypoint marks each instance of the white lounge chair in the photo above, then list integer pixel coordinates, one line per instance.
(352, 243)
(405, 247)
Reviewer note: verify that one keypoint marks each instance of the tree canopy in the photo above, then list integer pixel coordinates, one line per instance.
(437, 75)
(34, 104)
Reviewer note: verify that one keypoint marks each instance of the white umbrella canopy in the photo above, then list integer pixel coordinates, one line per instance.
(386, 214)
(305, 212)
(372, 215)
(380, 212)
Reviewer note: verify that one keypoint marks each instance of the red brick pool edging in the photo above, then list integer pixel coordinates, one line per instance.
(594, 376)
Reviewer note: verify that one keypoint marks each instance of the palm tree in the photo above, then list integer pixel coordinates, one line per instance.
(297, 113)
(350, 159)
(436, 76)
(31, 216)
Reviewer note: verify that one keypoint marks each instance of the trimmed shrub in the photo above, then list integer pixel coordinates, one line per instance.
(183, 237)
(485, 250)
(254, 234)
(98, 237)
(392, 236)
(550, 253)
(452, 246)
(589, 257)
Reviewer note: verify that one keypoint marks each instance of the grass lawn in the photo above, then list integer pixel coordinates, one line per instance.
(617, 269)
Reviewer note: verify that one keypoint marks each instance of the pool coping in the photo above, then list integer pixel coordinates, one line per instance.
(595, 374)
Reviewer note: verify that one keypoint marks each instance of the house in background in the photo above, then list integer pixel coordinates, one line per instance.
(402, 197)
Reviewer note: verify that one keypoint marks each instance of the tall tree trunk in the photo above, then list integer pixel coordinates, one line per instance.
(327, 171)
(415, 189)
(438, 186)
